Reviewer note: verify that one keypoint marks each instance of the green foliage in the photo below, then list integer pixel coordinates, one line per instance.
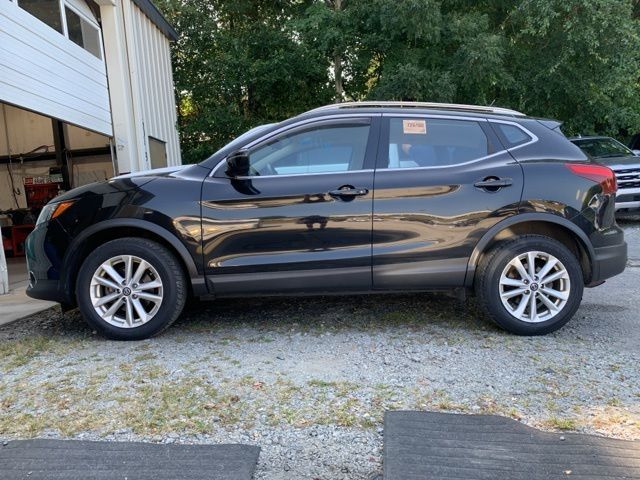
(239, 64)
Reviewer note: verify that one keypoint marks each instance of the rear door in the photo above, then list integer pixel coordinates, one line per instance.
(440, 183)
(301, 221)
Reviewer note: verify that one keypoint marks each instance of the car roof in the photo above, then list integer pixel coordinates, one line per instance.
(415, 107)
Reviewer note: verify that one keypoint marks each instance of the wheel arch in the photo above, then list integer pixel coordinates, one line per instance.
(555, 227)
(107, 230)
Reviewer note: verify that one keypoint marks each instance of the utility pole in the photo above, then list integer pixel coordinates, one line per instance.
(4, 274)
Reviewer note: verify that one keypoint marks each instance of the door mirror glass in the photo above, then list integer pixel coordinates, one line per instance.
(238, 164)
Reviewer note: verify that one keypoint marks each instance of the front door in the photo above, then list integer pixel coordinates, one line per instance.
(301, 220)
(440, 184)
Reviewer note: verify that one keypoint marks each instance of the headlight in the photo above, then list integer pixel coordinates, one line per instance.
(52, 210)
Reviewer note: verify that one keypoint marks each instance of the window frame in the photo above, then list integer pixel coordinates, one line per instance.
(83, 17)
(483, 122)
(503, 138)
(349, 119)
(73, 6)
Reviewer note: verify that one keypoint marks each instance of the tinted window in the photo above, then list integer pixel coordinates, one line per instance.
(431, 142)
(46, 10)
(333, 148)
(511, 135)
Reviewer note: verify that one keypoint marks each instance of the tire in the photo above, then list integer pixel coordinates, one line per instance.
(144, 306)
(501, 285)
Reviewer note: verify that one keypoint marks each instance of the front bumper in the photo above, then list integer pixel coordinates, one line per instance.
(609, 261)
(44, 263)
(628, 199)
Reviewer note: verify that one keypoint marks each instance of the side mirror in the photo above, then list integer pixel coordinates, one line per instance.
(238, 164)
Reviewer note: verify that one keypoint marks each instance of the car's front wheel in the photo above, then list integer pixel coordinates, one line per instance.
(131, 289)
(530, 285)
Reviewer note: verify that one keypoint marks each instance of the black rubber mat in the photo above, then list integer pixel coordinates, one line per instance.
(79, 460)
(438, 446)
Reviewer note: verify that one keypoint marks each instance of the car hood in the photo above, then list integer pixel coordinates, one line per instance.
(124, 183)
(156, 172)
(621, 162)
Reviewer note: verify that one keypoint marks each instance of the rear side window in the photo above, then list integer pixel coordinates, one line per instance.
(510, 135)
(434, 142)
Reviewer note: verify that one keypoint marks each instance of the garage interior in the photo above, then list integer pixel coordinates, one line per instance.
(40, 158)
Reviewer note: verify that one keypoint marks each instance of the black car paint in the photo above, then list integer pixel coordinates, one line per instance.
(419, 229)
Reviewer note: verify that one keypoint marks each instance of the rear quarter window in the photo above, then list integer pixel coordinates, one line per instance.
(510, 135)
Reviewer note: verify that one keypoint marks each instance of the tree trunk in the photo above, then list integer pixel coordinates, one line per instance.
(4, 274)
(337, 71)
(337, 60)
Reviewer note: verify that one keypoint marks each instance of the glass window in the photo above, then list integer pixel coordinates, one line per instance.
(332, 148)
(604, 147)
(433, 142)
(46, 10)
(82, 32)
(157, 153)
(511, 135)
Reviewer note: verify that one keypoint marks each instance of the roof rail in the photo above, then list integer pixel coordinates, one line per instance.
(434, 105)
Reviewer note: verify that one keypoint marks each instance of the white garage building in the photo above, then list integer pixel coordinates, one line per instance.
(86, 92)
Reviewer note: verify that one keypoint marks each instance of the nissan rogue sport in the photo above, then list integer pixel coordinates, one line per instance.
(348, 198)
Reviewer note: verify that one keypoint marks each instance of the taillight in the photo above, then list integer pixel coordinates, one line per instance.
(598, 173)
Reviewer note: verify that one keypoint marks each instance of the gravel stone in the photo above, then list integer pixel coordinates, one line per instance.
(310, 388)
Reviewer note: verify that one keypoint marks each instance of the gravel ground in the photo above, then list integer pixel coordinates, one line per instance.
(309, 379)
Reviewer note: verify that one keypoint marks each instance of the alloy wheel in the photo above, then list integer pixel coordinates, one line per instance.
(126, 291)
(534, 287)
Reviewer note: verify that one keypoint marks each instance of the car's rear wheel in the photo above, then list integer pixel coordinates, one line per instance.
(131, 289)
(530, 285)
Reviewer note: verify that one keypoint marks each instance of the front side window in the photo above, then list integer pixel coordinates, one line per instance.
(320, 149)
(47, 11)
(434, 142)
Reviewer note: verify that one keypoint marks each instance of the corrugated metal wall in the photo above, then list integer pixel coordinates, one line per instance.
(43, 71)
(153, 61)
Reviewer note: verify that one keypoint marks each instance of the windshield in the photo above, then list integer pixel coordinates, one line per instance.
(229, 147)
(603, 147)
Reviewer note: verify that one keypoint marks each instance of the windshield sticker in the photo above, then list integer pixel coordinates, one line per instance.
(414, 127)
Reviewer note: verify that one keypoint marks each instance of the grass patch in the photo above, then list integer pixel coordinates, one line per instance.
(560, 423)
(17, 353)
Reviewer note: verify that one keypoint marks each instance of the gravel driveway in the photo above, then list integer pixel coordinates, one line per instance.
(308, 379)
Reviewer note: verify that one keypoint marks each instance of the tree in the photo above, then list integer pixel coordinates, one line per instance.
(576, 61)
(242, 63)
(236, 65)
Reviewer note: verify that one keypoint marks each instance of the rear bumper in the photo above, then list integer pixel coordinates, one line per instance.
(609, 261)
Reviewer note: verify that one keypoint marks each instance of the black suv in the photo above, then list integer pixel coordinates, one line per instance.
(348, 198)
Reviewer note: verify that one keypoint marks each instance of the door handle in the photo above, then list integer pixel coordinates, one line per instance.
(493, 183)
(348, 192)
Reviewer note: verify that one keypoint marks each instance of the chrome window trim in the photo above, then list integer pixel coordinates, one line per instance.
(533, 136)
(301, 123)
(343, 172)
